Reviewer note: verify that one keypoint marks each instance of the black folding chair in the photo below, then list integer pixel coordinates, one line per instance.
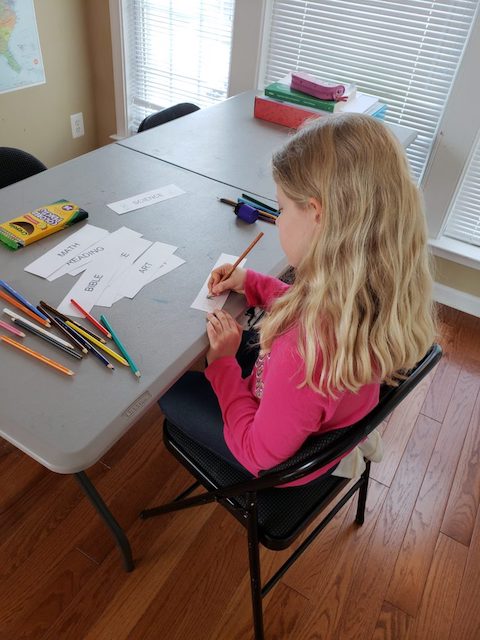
(16, 165)
(165, 115)
(276, 516)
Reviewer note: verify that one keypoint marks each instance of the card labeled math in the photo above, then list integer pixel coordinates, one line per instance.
(146, 199)
(202, 302)
(75, 244)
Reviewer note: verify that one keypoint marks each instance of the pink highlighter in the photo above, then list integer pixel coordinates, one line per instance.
(309, 84)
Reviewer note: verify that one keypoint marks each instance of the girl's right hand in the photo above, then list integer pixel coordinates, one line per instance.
(236, 282)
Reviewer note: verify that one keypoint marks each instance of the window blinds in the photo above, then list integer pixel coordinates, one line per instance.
(175, 51)
(464, 220)
(406, 52)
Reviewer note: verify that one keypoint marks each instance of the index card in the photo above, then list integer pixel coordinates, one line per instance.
(149, 266)
(146, 199)
(98, 275)
(75, 243)
(201, 302)
(77, 262)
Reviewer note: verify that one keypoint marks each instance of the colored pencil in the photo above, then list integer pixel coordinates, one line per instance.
(38, 356)
(9, 327)
(97, 343)
(242, 256)
(42, 336)
(232, 203)
(65, 330)
(23, 309)
(90, 318)
(63, 317)
(16, 318)
(21, 299)
(238, 260)
(267, 207)
(88, 346)
(120, 346)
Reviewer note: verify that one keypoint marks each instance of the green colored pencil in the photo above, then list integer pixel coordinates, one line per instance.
(120, 346)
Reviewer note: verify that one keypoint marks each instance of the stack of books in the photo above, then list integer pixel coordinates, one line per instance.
(283, 104)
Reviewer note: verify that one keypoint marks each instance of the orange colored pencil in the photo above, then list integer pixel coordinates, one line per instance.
(38, 356)
(23, 309)
(89, 317)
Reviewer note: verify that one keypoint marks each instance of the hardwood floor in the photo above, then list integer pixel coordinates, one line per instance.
(411, 572)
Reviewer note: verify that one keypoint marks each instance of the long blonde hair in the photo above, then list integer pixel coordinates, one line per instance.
(362, 296)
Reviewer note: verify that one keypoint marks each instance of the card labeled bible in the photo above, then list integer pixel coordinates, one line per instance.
(39, 223)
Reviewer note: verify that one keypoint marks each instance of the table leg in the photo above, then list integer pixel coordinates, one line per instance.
(118, 533)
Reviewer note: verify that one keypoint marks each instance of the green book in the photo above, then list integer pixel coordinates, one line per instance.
(283, 92)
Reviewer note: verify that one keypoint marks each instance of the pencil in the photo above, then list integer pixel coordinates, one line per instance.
(16, 318)
(41, 335)
(262, 205)
(65, 330)
(23, 308)
(239, 259)
(63, 317)
(120, 346)
(97, 343)
(38, 356)
(9, 327)
(21, 299)
(86, 345)
(242, 256)
(91, 318)
(232, 203)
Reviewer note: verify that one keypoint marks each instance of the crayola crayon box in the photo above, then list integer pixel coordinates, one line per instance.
(41, 222)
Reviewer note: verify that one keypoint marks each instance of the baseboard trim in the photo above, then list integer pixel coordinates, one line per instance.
(457, 299)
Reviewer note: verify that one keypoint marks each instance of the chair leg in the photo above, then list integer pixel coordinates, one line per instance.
(254, 563)
(362, 495)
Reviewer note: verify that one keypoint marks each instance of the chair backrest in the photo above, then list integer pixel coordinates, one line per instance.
(321, 450)
(16, 165)
(165, 115)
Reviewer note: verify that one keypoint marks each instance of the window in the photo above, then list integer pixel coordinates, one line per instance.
(406, 52)
(174, 51)
(464, 220)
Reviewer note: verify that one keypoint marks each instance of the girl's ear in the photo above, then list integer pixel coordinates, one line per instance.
(316, 208)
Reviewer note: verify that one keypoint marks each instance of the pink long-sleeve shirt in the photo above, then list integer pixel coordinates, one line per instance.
(266, 416)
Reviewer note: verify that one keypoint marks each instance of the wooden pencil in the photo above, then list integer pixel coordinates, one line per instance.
(38, 356)
(23, 309)
(121, 347)
(89, 317)
(63, 317)
(9, 327)
(97, 343)
(88, 346)
(42, 336)
(64, 329)
(239, 259)
(21, 299)
(16, 318)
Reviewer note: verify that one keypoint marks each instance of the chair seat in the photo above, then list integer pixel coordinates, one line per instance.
(282, 513)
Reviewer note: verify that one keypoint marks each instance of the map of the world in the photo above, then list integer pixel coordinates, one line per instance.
(21, 62)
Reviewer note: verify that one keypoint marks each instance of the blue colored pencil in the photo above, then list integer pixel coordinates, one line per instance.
(21, 299)
(120, 346)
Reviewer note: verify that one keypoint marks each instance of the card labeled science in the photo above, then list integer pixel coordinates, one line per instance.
(146, 199)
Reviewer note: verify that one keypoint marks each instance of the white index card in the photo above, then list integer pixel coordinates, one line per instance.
(75, 243)
(79, 261)
(201, 302)
(146, 199)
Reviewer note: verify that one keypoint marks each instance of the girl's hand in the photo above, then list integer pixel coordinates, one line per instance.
(224, 334)
(235, 282)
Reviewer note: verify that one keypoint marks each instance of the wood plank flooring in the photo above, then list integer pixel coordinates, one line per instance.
(411, 572)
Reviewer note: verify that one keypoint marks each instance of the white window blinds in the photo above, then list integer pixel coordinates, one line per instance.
(464, 220)
(175, 51)
(406, 52)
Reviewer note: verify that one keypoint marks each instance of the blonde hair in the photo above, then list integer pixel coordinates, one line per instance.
(362, 296)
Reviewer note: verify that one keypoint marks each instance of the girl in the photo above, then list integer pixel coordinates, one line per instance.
(358, 313)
